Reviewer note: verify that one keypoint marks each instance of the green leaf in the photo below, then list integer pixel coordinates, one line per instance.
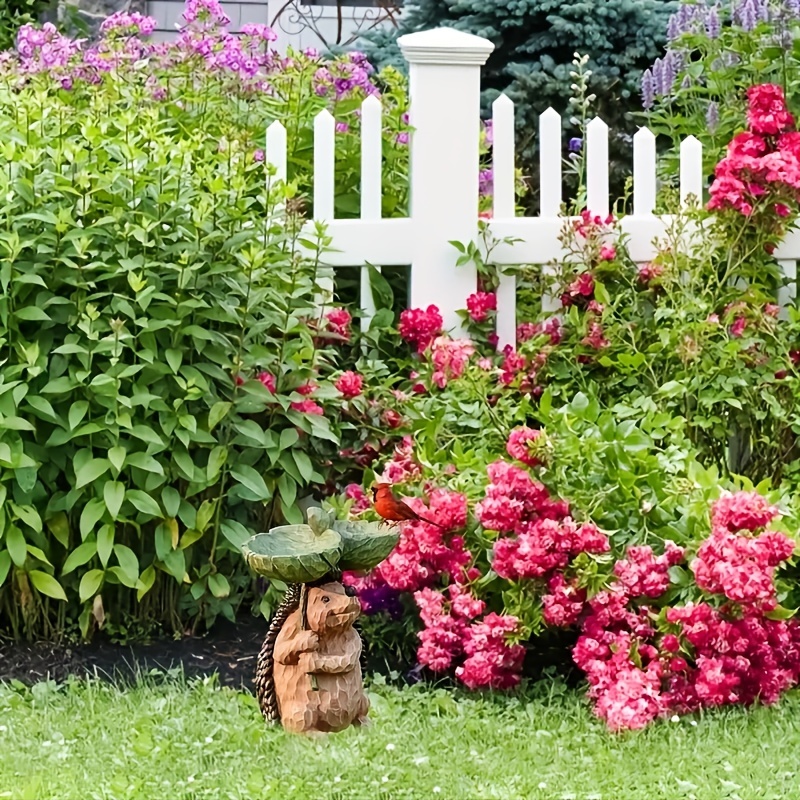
(219, 585)
(175, 565)
(26, 478)
(205, 514)
(47, 585)
(15, 542)
(382, 293)
(216, 460)
(29, 515)
(171, 500)
(146, 434)
(76, 414)
(189, 538)
(92, 513)
(114, 497)
(90, 583)
(235, 532)
(251, 481)
(59, 527)
(32, 314)
(174, 358)
(105, 543)
(288, 490)
(128, 562)
(217, 413)
(145, 582)
(163, 540)
(42, 406)
(5, 566)
(37, 552)
(303, 464)
(289, 437)
(145, 462)
(116, 455)
(81, 555)
(91, 471)
(143, 502)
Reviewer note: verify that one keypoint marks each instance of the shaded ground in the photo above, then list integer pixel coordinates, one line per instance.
(229, 650)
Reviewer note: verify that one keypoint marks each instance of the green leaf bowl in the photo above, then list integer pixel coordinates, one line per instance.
(364, 544)
(293, 553)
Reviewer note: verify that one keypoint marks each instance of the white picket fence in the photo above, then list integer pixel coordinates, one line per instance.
(444, 69)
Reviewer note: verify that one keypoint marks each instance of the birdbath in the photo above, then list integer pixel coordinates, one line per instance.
(309, 677)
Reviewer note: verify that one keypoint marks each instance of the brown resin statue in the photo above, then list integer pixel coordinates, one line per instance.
(309, 675)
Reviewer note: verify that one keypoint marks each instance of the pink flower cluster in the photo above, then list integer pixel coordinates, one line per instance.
(519, 369)
(491, 661)
(595, 337)
(762, 164)
(350, 384)
(480, 304)
(648, 274)
(580, 291)
(519, 445)
(550, 327)
(451, 632)
(708, 656)
(737, 565)
(425, 552)
(419, 327)
(402, 465)
(359, 497)
(338, 321)
(564, 602)
(545, 545)
(450, 358)
(514, 501)
(737, 660)
(643, 574)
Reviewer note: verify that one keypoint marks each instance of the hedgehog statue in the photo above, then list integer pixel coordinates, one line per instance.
(309, 671)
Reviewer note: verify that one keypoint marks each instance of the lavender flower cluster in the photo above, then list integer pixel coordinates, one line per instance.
(701, 17)
(246, 62)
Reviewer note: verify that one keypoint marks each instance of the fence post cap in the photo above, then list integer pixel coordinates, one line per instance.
(445, 46)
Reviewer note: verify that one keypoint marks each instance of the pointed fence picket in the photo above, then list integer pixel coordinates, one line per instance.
(444, 68)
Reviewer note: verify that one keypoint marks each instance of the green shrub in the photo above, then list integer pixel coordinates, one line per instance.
(152, 270)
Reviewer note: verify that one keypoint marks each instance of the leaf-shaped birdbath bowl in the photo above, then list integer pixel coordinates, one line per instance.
(306, 553)
(364, 544)
(293, 553)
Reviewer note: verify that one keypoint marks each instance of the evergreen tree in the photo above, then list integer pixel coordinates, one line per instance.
(535, 42)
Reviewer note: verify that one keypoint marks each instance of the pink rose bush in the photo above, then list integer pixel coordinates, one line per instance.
(645, 654)
(761, 172)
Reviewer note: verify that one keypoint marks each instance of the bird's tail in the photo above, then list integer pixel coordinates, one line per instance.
(431, 522)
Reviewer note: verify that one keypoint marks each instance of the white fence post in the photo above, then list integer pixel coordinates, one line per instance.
(444, 86)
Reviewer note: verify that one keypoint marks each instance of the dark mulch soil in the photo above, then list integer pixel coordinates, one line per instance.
(228, 650)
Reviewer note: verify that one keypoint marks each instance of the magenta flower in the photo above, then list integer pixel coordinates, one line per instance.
(350, 384)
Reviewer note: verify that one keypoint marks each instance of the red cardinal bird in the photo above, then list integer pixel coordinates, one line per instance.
(392, 509)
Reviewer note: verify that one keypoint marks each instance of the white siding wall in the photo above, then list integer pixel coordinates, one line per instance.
(291, 29)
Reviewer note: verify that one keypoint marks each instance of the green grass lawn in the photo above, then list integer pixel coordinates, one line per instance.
(170, 739)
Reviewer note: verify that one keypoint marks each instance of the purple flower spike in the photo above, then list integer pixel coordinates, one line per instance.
(713, 25)
(712, 117)
(575, 144)
(658, 77)
(748, 16)
(648, 90)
